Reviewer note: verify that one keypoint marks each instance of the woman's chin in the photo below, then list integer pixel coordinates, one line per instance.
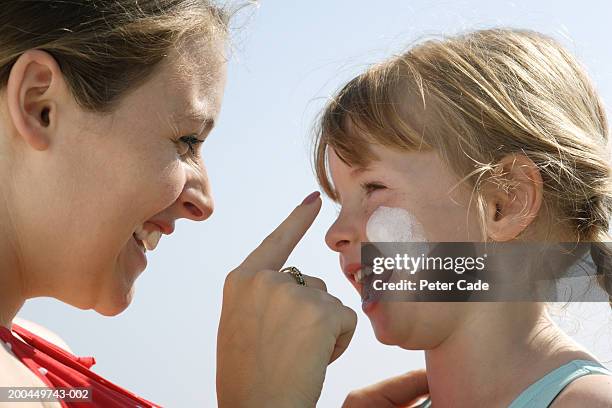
(116, 304)
(118, 294)
(112, 310)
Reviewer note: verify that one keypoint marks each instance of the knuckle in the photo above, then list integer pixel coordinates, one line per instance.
(274, 239)
(332, 300)
(352, 314)
(315, 310)
(231, 280)
(318, 283)
(292, 298)
(355, 399)
(264, 278)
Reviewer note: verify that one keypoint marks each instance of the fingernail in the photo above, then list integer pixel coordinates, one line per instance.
(311, 197)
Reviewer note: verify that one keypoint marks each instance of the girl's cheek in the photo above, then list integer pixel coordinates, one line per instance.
(394, 224)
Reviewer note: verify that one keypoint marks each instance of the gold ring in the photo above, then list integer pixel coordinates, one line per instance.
(295, 272)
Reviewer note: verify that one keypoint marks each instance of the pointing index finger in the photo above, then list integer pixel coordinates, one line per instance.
(274, 250)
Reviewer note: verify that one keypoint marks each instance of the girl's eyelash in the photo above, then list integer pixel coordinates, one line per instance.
(371, 187)
(192, 142)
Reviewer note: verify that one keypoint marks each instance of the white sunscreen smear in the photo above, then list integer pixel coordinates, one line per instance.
(390, 224)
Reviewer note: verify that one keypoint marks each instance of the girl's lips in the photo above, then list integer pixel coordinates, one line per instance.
(367, 301)
(350, 271)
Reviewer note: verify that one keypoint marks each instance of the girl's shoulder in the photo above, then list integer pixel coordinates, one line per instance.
(593, 391)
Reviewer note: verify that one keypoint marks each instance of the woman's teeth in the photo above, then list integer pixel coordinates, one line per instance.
(150, 239)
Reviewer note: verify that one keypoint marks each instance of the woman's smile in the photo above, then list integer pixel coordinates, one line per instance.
(138, 253)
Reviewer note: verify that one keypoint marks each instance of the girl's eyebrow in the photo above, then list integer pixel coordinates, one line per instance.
(359, 170)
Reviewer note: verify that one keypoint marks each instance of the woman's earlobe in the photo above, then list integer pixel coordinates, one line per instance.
(31, 96)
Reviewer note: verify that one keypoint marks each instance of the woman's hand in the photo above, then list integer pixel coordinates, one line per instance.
(276, 337)
(396, 392)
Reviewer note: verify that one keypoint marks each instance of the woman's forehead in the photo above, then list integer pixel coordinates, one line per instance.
(189, 95)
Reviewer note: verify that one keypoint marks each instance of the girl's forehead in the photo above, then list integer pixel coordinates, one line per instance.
(401, 161)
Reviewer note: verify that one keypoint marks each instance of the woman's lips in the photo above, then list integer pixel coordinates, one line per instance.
(140, 254)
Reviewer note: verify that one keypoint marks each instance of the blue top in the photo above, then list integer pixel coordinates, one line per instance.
(542, 392)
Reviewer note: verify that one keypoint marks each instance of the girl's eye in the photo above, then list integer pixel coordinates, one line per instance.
(369, 188)
(189, 144)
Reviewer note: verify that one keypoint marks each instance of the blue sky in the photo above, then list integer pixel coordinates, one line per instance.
(287, 60)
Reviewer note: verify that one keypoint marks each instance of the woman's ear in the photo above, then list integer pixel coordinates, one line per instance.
(513, 197)
(34, 87)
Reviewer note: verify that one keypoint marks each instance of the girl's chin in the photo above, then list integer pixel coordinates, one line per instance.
(381, 322)
(388, 322)
(386, 336)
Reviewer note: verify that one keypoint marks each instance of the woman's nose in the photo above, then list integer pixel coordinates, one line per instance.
(196, 200)
(342, 234)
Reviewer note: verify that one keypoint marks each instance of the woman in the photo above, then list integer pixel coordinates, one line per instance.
(103, 107)
(492, 136)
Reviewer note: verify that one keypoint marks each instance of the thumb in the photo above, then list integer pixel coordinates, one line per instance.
(401, 390)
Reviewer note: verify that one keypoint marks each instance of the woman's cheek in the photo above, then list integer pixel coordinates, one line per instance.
(173, 184)
(165, 185)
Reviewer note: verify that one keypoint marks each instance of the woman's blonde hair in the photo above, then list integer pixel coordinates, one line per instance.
(105, 47)
(475, 98)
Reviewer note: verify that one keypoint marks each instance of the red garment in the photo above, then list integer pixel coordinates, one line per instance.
(60, 369)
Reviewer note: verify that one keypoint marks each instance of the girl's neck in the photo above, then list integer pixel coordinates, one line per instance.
(496, 355)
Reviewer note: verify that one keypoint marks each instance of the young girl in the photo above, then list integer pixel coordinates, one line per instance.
(493, 136)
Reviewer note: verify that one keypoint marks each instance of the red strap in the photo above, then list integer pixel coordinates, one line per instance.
(58, 368)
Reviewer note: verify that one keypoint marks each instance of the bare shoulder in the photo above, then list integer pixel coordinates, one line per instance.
(14, 374)
(42, 332)
(592, 391)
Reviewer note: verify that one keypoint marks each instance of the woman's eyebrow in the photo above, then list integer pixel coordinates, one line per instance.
(207, 126)
(206, 122)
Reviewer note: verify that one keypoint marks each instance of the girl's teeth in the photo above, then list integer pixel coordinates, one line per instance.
(359, 275)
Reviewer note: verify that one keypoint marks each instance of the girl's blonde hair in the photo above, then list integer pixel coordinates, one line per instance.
(475, 98)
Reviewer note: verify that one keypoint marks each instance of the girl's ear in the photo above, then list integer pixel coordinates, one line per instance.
(513, 197)
(35, 86)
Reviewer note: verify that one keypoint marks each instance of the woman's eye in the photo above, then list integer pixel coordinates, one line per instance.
(189, 144)
(369, 188)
